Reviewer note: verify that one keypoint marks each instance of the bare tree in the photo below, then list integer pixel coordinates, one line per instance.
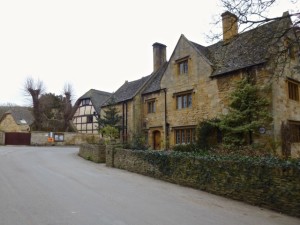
(5, 107)
(35, 89)
(67, 105)
(254, 13)
(280, 40)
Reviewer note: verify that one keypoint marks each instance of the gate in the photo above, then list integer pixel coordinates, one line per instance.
(15, 138)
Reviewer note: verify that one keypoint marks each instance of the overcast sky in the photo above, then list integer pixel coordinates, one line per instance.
(93, 43)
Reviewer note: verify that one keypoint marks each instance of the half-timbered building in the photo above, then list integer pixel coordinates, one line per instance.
(87, 109)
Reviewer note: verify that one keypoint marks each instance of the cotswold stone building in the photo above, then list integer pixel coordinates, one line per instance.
(16, 119)
(194, 84)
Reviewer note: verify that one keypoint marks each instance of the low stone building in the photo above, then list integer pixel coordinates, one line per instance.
(16, 119)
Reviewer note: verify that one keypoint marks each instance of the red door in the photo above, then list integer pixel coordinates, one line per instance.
(15, 138)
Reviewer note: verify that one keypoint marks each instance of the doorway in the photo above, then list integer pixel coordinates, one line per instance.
(156, 140)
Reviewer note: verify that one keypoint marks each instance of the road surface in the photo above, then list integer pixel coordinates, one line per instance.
(54, 186)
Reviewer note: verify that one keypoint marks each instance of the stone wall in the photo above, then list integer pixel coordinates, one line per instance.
(41, 138)
(271, 186)
(93, 152)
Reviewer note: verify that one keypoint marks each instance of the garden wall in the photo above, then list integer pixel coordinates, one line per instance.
(93, 152)
(69, 138)
(264, 182)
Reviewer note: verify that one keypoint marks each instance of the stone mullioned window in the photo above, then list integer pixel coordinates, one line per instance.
(184, 101)
(185, 136)
(293, 89)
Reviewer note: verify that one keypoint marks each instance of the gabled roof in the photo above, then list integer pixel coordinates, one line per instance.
(129, 89)
(246, 49)
(154, 84)
(21, 115)
(97, 98)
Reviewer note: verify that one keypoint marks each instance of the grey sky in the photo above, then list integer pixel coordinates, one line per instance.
(92, 43)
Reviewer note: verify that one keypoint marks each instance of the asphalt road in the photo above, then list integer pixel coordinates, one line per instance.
(53, 186)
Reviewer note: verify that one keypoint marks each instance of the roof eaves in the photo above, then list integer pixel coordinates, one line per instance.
(226, 72)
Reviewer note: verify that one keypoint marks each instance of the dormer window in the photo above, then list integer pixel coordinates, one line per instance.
(183, 65)
(290, 49)
(85, 101)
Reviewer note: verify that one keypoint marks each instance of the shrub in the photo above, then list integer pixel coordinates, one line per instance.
(208, 134)
(186, 148)
(137, 142)
(110, 132)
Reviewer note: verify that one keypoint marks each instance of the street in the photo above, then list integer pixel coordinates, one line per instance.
(54, 186)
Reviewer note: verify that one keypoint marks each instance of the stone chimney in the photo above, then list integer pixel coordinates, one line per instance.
(230, 25)
(159, 55)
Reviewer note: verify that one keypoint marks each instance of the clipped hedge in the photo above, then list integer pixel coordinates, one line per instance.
(263, 181)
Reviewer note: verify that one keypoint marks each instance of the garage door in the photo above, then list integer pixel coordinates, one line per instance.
(14, 138)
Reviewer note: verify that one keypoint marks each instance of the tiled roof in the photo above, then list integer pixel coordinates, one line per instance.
(129, 89)
(21, 115)
(154, 84)
(246, 49)
(97, 98)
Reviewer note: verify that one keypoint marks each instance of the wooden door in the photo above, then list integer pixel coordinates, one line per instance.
(15, 138)
(156, 140)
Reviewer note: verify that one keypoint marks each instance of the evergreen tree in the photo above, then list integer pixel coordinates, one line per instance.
(248, 111)
(111, 116)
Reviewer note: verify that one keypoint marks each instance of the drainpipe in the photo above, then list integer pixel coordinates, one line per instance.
(124, 121)
(126, 124)
(166, 124)
(123, 118)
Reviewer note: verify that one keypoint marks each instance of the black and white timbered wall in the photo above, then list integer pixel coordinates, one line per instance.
(84, 118)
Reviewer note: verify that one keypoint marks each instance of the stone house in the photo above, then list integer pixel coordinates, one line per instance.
(198, 79)
(127, 101)
(86, 110)
(16, 119)
(195, 83)
(128, 98)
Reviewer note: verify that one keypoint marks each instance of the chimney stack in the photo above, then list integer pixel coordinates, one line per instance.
(159, 55)
(230, 25)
